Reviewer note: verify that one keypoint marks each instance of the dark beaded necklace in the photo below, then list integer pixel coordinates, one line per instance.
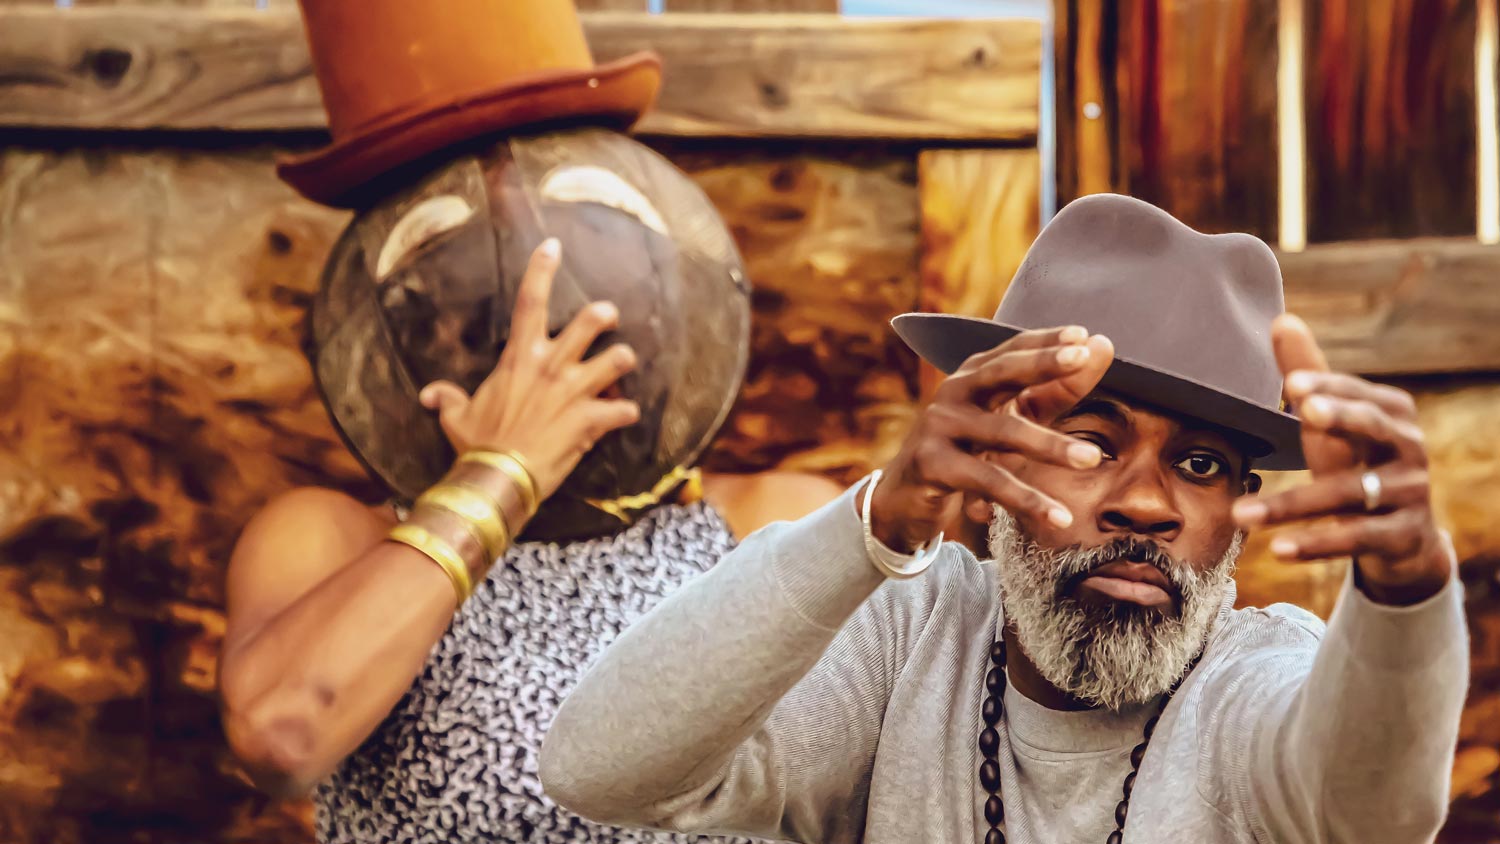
(989, 748)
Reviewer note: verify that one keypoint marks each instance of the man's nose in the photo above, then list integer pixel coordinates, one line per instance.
(1141, 504)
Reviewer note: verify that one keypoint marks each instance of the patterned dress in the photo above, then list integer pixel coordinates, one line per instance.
(456, 760)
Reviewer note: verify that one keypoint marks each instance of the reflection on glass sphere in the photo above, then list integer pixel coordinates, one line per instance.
(420, 288)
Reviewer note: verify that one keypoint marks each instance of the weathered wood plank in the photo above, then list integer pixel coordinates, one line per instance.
(980, 213)
(1390, 104)
(765, 75)
(160, 398)
(1400, 307)
(1174, 103)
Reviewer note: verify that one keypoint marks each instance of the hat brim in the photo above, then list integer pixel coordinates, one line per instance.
(946, 341)
(615, 94)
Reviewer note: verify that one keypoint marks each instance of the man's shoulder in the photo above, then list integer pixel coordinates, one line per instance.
(1281, 626)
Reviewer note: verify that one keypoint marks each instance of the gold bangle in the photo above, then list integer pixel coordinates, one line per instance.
(475, 508)
(440, 552)
(514, 468)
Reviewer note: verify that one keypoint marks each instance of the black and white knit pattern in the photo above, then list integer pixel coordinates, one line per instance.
(457, 758)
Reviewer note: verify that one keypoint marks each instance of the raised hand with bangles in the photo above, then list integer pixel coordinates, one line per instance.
(334, 606)
(522, 431)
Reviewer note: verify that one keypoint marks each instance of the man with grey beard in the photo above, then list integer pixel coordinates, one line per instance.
(852, 678)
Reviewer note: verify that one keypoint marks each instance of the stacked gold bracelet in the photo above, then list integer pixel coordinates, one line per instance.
(464, 522)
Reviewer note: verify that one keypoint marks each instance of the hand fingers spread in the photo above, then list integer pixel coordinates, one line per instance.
(1392, 536)
(605, 368)
(1362, 421)
(1036, 338)
(1295, 346)
(1012, 371)
(1337, 494)
(528, 323)
(585, 328)
(949, 468)
(1304, 383)
(1047, 401)
(1010, 432)
(601, 416)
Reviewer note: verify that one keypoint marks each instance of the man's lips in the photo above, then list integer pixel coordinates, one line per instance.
(1137, 583)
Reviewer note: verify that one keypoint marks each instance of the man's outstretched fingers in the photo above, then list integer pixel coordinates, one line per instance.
(1013, 371)
(1362, 420)
(1341, 493)
(995, 484)
(1305, 382)
(1392, 536)
(1008, 431)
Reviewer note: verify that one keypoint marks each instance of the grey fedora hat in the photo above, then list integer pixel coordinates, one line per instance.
(1189, 313)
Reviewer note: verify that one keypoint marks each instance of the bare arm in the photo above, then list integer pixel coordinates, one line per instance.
(329, 623)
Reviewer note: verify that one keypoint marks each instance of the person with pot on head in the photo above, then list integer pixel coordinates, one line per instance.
(528, 333)
(1093, 681)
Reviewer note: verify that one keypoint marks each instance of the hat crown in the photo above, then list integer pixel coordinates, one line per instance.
(379, 58)
(1189, 304)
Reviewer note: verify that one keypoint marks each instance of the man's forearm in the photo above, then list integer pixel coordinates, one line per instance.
(1369, 739)
(663, 712)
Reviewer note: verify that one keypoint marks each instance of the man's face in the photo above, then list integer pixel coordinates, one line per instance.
(1112, 608)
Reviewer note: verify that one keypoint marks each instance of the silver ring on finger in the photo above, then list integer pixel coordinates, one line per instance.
(1369, 482)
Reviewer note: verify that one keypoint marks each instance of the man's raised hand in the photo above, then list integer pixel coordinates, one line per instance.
(999, 400)
(1351, 427)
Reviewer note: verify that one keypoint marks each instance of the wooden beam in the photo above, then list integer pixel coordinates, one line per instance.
(726, 75)
(1400, 307)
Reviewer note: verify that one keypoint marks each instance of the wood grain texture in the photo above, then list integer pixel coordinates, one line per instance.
(1174, 103)
(765, 76)
(1400, 307)
(1390, 103)
(831, 249)
(153, 396)
(980, 213)
(155, 301)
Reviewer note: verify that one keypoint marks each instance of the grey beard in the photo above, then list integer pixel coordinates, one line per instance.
(1112, 656)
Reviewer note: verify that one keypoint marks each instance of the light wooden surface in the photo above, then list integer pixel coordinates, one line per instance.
(980, 213)
(1400, 307)
(726, 75)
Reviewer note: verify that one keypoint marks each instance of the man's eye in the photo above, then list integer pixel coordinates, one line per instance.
(1202, 466)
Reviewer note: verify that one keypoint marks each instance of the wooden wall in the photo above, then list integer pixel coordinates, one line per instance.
(153, 282)
(152, 292)
(1179, 103)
